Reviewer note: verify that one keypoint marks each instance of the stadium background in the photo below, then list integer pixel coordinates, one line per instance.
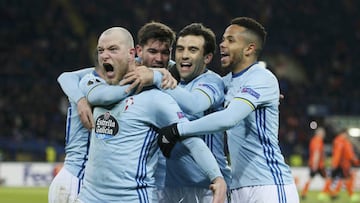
(312, 47)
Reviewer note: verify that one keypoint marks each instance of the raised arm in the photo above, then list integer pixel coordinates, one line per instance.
(217, 121)
(198, 100)
(191, 102)
(99, 93)
(105, 94)
(214, 122)
(69, 83)
(144, 76)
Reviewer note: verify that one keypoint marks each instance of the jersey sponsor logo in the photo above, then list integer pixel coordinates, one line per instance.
(251, 92)
(106, 126)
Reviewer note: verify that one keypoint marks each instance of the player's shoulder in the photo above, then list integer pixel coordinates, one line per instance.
(90, 75)
(262, 68)
(154, 99)
(209, 74)
(92, 78)
(261, 73)
(154, 94)
(209, 77)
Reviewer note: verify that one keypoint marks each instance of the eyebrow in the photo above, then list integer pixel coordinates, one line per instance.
(113, 46)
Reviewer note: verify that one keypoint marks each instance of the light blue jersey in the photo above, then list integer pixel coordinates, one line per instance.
(123, 151)
(77, 140)
(66, 185)
(76, 143)
(77, 137)
(251, 120)
(211, 85)
(256, 158)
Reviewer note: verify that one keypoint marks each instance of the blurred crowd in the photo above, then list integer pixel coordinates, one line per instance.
(312, 47)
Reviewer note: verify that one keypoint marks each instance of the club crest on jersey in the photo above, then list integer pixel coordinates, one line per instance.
(128, 102)
(106, 126)
(251, 92)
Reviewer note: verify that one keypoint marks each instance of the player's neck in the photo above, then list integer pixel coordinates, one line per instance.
(242, 66)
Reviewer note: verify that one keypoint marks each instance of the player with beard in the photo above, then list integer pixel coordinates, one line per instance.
(154, 46)
(250, 119)
(155, 41)
(67, 183)
(200, 92)
(122, 157)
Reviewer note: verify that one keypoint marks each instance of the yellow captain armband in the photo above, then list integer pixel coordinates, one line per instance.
(246, 101)
(202, 91)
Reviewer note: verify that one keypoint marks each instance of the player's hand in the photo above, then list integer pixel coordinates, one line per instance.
(281, 97)
(168, 81)
(140, 77)
(85, 113)
(219, 189)
(167, 138)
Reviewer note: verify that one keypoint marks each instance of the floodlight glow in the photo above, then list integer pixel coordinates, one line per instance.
(313, 125)
(354, 132)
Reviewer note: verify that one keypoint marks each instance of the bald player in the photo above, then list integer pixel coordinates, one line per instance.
(123, 150)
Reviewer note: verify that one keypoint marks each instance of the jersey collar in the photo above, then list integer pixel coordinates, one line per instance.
(243, 71)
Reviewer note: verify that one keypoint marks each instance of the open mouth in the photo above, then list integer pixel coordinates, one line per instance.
(223, 56)
(158, 65)
(185, 65)
(109, 71)
(108, 67)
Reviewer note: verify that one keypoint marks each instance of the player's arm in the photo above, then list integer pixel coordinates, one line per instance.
(105, 94)
(214, 122)
(167, 111)
(144, 76)
(99, 93)
(191, 102)
(260, 89)
(218, 121)
(203, 157)
(207, 163)
(168, 81)
(69, 83)
(85, 113)
(173, 70)
(219, 189)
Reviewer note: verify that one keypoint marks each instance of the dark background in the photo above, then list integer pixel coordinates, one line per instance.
(313, 48)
